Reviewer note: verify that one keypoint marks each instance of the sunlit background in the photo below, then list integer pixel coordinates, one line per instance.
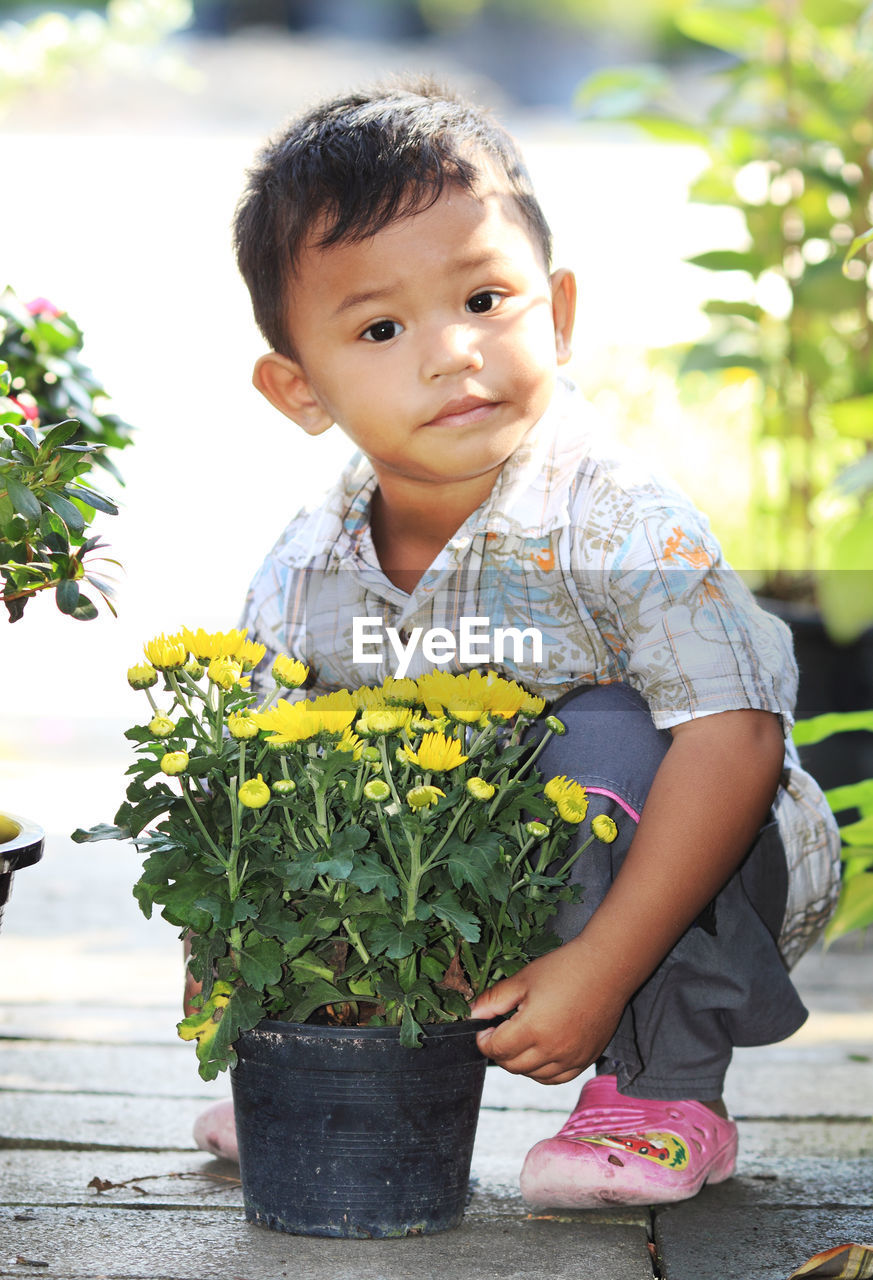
(126, 132)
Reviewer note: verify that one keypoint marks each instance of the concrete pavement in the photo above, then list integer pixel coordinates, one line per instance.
(93, 1088)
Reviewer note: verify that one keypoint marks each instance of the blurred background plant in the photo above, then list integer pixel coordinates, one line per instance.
(785, 120)
(42, 45)
(853, 803)
(55, 418)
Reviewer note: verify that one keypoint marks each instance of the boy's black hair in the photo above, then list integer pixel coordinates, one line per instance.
(355, 164)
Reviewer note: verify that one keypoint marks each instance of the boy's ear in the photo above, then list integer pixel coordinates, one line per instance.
(563, 284)
(285, 385)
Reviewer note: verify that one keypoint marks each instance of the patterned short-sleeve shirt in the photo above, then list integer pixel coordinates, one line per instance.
(578, 569)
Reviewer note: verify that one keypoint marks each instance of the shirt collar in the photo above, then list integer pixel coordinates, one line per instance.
(530, 497)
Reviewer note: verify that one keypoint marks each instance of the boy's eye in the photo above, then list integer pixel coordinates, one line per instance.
(482, 302)
(382, 331)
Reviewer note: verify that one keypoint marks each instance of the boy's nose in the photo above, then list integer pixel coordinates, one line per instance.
(453, 349)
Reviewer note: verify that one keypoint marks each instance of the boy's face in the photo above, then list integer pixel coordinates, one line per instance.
(433, 344)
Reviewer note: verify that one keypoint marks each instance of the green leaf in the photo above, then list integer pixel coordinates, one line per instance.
(817, 728)
(854, 908)
(318, 993)
(396, 941)
(447, 907)
(85, 610)
(369, 873)
(67, 596)
(336, 868)
(260, 961)
(102, 831)
(855, 248)
(736, 28)
(92, 499)
(852, 417)
(22, 499)
(70, 514)
(616, 92)
(410, 1032)
(854, 795)
(729, 260)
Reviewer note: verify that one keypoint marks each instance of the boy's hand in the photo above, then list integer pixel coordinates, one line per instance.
(567, 1010)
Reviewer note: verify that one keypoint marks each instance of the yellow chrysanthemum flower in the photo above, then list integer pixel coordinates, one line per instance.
(225, 672)
(386, 719)
(206, 645)
(350, 742)
(532, 706)
(303, 720)
(167, 653)
(241, 725)
(288, 672)
(255, 793)
(423, 797)
(466, 710)
(554, 787)
(366, 696)
(504, 698)
(436, 753)
(569, 798)
(142, 676)
(249, 654)
(403, 692)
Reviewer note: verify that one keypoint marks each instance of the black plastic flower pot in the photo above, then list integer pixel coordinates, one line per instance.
(343, 1132)
(21, 843)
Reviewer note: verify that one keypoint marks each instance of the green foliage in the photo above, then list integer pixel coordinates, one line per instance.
(788, 133)
(56, 426)
(42, 346)
(855, 907)
(327, 902)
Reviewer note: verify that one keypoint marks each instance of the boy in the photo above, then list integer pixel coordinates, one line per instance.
(399, 267)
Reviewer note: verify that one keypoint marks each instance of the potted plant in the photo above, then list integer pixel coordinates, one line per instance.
(782, 112)
(46, 454)
(351, 870)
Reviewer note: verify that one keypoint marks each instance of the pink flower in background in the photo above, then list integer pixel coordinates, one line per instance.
(30, 411)
(42, 307)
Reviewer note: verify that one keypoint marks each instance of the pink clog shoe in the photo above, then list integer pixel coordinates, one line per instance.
(620, 1150)
(215, 1131)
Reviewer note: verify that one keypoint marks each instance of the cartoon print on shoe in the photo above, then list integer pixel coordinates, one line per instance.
(619, 1150)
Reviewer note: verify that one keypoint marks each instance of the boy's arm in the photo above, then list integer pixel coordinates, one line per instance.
(705, 806)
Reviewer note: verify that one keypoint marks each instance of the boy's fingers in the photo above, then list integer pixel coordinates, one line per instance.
(501, 998)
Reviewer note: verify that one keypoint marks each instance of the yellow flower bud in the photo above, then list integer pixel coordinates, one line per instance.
(557, 726)
(174, 762)
(161, 726)
(288, 672)
(255, 793)
(538, 830)
(377, 790)
(284, 786)
(423, 797)
(479, 789)
(194, 669)
(142, 676)
(604, 828)
(241, 725)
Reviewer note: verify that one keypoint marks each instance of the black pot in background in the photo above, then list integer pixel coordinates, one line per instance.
(343, 1132)
(833, 677)
(22, 850)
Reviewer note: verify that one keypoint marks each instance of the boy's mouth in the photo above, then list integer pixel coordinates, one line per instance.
(458, 413)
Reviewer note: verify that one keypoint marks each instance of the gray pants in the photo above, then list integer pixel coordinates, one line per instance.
(724, 983)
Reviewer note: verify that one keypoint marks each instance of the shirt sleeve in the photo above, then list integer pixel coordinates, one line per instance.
(695, 640)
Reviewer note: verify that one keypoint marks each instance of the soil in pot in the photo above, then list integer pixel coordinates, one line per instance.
(343, 1132)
